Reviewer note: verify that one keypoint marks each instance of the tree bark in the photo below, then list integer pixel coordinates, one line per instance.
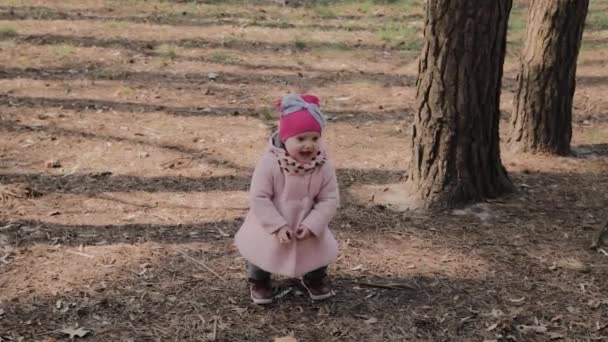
(455, 142)
(542, 107)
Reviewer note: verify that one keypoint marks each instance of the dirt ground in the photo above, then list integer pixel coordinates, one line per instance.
(128, 133)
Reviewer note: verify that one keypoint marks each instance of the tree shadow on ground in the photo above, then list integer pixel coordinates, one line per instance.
(99, 182)
(87, 71)
(590, 150)
(519, 236)
(181, 19)
(146, 45)
(592, 63)
(503, 224)
(137, 107)
(94, 184)
(170, 303)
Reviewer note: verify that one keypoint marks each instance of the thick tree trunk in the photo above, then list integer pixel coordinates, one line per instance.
(455, 142)
(542, 118)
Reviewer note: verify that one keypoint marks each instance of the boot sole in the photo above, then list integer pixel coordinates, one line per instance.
(317, 297)
(260, 301)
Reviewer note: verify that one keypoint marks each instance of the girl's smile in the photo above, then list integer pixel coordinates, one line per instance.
(303, 147)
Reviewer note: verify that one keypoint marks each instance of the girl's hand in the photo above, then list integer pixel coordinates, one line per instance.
(302, 233)
(283, 235)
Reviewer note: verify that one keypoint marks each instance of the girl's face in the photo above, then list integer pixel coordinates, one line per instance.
(303, 147)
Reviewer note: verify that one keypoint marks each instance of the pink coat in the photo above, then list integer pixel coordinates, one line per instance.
(278, 199)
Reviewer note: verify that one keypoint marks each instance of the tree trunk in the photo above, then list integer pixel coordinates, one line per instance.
(542, 118)
(455, 143)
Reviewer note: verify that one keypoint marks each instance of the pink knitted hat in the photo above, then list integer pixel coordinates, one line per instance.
(299, 114)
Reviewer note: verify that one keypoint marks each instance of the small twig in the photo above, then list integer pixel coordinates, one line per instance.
(402, 331)
(163, 217)
(392, 286)
(276, 330)
(200, 263)
(149, 129)
(4, 258)
(72, 171)
(47, 332)
(214, 336)
(163, 331)
(284, 293)
(8, 226)
(341, 335)
(119, 200)
(81, 254)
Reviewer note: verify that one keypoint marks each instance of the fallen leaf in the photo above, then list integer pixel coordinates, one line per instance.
(8, 226)
(27, 229)
(80, 332)
(532, 328)
(573, 265)
(239, 310)
(285, 339)
(555, 336)
(573, 310)
(222, 233)
(466, 319)
(53, 164)
(356, 268)
(496, 313)
(371, 320)
(492, 327)
(459, 212)
(517, 300)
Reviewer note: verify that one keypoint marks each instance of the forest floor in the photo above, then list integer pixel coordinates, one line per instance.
(128, 134)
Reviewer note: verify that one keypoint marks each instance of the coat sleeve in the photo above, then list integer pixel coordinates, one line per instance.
(326, 204)
(261, 194)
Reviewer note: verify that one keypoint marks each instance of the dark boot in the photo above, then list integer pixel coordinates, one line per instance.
(319, 287)
(261, 291)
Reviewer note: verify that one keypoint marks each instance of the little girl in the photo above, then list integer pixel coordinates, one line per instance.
(293, 196)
